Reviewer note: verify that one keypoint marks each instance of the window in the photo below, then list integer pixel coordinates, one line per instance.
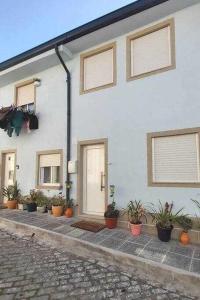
(49, 169)
(173, 158)
(151, 50)
(25, 95)
(98, 69)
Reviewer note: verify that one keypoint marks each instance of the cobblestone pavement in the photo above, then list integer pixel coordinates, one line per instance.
(29, 270)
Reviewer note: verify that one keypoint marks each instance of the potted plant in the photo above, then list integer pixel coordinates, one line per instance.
(69, 208)
(12, 193)
(164, 219)
(57, 205)
(186, 223)
(111, 214)
(31, 201)
(22, 203)
(136, 213)
(41, 201)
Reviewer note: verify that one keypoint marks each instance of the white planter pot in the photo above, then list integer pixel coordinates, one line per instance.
(41, 209)
(20, 206)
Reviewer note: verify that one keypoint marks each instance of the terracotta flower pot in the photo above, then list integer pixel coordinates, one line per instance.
(57, 211)
(11, 204)
(135, 229)
(184, 238)
(111, 223)
(69, 212)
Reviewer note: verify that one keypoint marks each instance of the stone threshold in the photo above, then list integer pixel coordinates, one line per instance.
(145, 256)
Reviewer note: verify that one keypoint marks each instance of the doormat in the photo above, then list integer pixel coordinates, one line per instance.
(90, 226)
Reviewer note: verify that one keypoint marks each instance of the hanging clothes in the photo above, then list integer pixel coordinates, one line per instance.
(4, 112)
(33, 121)
(17, 121)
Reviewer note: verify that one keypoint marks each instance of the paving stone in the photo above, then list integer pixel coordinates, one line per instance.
(197, 253)
(177, 261)
(142, 239)
(131, 248)
(195, 266)
(153, 254)
(183, 250)
(111, 243)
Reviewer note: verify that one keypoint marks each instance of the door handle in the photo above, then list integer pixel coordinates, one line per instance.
(102, 182)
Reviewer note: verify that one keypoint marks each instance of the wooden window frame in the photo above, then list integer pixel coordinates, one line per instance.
(178, 132)
(24, 83)
(93, 53)
(49, 187)
(142, 33)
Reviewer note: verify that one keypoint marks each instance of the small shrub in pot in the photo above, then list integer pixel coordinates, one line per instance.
(41, 201)
(112, 213)
(12, 193)
(165, 218)
(136, 213)
(186, 223)
(57, 205)
(69, 208)
(22, 203)
(31, 201)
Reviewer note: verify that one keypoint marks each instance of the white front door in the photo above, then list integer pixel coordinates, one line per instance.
(9, 169)
(94, 179)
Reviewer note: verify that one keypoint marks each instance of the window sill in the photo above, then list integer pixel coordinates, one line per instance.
(49, 187)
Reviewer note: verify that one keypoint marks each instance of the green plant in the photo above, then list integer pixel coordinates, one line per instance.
(57, 200)
(163, 215)
(41, 199)
(12, 192)
(136, 212)
(111, 211)
(185, 222)
(69, 203)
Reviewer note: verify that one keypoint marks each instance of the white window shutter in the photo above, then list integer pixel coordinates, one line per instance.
(49, 160)
(175, 159)
(25, 94)
(98, 69)
(151, 52)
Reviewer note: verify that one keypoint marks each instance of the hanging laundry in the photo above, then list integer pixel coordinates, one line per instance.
(3, 116)
(17, 121)
(33, 121)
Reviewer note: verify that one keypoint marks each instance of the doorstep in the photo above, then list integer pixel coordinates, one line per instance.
(171, 264)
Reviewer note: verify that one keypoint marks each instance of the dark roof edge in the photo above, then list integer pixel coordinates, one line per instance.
(108, 19)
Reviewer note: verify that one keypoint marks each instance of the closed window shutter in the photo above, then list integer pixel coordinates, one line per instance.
(49, 160)
(176, 159)
(151, 52)
(98, 70)
(25, 94)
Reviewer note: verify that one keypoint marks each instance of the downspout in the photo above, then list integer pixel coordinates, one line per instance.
(68, 81)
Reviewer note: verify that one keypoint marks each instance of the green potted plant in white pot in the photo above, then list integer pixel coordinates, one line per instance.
(41, 201)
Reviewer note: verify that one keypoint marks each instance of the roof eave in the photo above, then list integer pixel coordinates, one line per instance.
(113, 17)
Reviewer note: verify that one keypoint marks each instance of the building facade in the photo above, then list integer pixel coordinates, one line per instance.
(134, 112)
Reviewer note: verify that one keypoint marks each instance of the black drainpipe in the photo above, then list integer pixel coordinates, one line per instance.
(68, 81)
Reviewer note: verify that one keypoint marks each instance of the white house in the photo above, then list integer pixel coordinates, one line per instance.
(131, 116)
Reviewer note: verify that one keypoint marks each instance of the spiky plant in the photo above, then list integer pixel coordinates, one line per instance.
(136, 212)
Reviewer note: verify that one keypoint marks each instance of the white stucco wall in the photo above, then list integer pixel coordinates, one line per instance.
(123, 114)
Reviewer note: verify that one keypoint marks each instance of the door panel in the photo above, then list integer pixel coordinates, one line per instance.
(9, 170)
(94, 179)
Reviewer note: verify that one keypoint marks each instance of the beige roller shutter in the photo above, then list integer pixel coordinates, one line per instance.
(49, 160)
(25, 94)
(98, 70)
(176, 159)
(151, 52)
